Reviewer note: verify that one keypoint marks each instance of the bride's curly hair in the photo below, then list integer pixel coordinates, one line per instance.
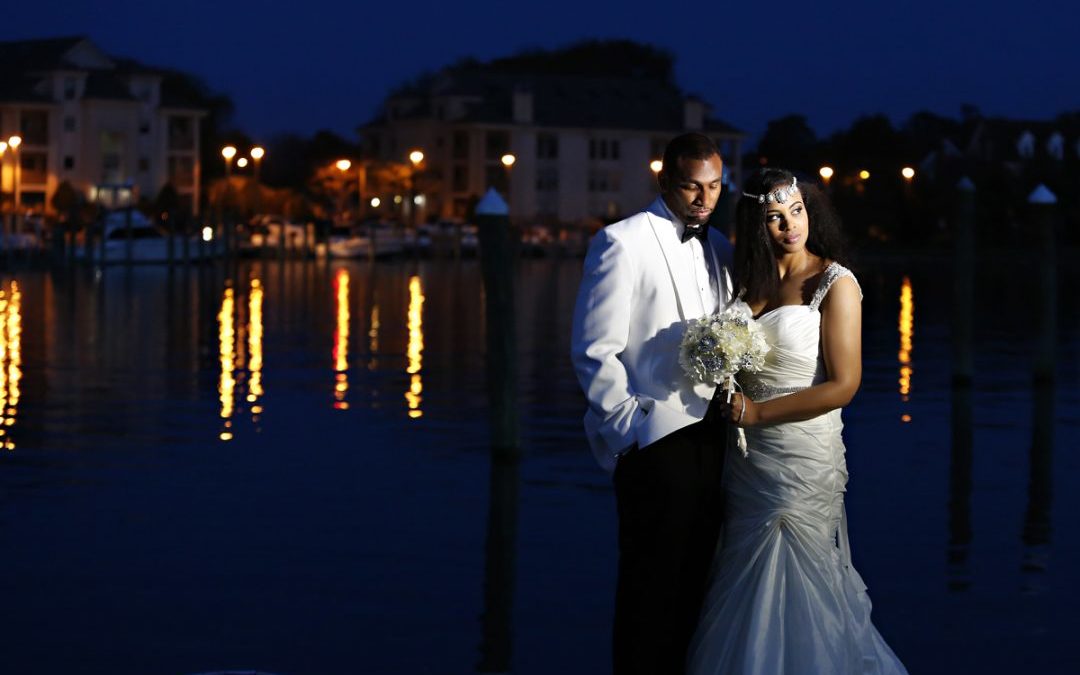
(756, 273)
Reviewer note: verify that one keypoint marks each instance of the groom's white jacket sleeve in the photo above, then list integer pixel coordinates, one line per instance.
(601, 330)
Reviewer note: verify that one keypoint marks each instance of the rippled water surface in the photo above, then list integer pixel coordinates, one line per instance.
(286, 467)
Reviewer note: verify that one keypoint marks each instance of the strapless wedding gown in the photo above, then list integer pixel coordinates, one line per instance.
(783, 597)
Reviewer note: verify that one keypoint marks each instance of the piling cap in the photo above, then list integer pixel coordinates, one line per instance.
(965, 185)
(1042, 195)
(492, 204)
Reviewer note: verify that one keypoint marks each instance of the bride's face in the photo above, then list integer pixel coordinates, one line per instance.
(788, 225)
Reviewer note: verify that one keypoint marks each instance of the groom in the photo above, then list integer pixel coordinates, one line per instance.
(644, 278)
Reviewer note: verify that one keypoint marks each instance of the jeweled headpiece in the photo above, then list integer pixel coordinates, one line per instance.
(780, 195)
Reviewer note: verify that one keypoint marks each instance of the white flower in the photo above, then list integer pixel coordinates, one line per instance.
(717, 347)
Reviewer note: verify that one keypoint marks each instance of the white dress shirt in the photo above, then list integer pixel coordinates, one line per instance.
(703, 263)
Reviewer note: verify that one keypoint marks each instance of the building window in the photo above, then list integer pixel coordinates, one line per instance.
(34, 168)
(603, 148)
(69, 162)
(71, 88)
(181, 133)
(497, 144)
(460, 178)
(603, 181)
(34, 126)
(69, 123)
(547, 146)
(547, 179)
(181, 171)
(461, 145)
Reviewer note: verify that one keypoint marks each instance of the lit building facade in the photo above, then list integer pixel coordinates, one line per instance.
(583, 147)
(109, 127)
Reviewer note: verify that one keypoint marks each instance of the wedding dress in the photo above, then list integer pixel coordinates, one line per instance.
(783, 597)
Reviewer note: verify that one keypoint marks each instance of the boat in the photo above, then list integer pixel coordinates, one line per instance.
(131, 237)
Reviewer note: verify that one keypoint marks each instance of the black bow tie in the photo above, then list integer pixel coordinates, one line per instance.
(691, 231)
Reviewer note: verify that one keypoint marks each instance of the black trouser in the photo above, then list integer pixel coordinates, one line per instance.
(670, 511)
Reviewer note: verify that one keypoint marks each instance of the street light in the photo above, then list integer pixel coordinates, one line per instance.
(908, 173)
(864, 175)
(241, 163)
(257, 153)
(228, 152)
(343, 165)
(375, 201)
(508, 160)
(14, 142)
(416, 156)
(826, 173)
(656, 165)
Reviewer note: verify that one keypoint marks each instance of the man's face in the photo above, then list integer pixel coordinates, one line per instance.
(691, 188)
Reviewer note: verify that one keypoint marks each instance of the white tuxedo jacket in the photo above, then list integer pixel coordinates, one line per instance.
(631, 311)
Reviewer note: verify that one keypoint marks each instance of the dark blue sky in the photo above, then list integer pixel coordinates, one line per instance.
(321, 64)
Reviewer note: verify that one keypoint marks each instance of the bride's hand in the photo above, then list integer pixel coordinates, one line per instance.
(741, 411)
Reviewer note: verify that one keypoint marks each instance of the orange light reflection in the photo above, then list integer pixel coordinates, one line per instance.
(907, 332)
(341, 341)
(10, 361)
(227, 360)
(415, 350)
(255, 348)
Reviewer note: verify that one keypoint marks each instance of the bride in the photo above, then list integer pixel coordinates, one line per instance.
(784, 598)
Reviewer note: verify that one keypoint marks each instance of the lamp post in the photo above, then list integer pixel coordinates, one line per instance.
(228, 152)
(826, 173)
(342, 165)
(14, 142)
(417, 158)
(508, 161)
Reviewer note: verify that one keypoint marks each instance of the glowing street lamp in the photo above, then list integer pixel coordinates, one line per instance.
(416, 156)
(908, 173)
(241, 163)
(826, 173)
(228, 152)
(14, 142)
(656, 165)
(343, 165)
(864, 175)
(375, 201)
(257, 153)
(508, 160)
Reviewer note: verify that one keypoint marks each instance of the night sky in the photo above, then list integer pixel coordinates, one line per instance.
(319, 64)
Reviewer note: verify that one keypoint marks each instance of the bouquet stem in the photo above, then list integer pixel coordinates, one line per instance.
(729, 387)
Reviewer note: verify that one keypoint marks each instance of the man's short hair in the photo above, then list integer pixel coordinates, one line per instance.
(689, 146)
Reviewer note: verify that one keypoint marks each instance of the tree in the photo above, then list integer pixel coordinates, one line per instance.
(789, 142)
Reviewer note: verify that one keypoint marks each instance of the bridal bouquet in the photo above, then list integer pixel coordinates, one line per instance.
(715, 348)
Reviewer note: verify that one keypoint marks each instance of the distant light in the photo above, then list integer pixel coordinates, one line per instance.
(14, 142)
(905, 418)
(508, 160)
(257, 153)
(242, 162)
(228, 152)
(864, 174)
(416, 156)
(3, 147)
(375, 201)
(207, 233)
(418, 200)
(397, 199)
(656, 165)
(826, 172)
(907, 172)
(343, 164)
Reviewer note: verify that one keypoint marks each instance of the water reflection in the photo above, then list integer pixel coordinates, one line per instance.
(906, 327)
(341, 340)
(960, 489)
(255, 348)
(416, 347)
(227, 361)
(10, 361)
(373, 338)
(1036, 534)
